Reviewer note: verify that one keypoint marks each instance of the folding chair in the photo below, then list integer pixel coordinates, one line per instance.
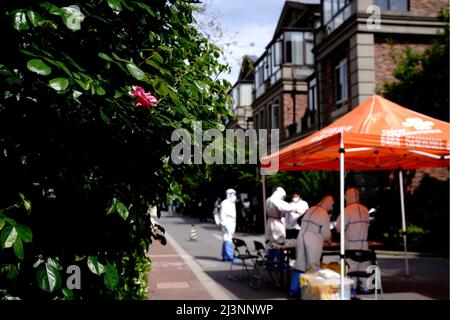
(241, 255)
(363, 256)
(261, 262)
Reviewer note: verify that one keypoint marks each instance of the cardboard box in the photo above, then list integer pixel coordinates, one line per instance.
(320, 286)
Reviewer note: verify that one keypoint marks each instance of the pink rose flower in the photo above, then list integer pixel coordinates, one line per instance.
(145, 99)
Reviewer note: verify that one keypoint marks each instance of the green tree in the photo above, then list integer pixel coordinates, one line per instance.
(422, 84)
(76, 147)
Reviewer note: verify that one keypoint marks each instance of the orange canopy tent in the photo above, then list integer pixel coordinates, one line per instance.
(376, 135)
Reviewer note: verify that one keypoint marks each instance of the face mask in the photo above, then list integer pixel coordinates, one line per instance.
(232, 198)
(296, 199)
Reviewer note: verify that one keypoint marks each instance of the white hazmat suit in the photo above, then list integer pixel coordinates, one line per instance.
(356, 228)
(275, 205)
(314, 230)
(228, 222)
(292, 217)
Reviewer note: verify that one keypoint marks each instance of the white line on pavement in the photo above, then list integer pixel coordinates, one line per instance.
(217, 236)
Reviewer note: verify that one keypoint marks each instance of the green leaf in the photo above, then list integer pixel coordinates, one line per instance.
(122, 210)
(117, 94)
(48, 278)
(100, 91)
(11, 221)
(79, 258)
(38, 66)
(9, 235)
(34, 18)
(95, 266)
(112, 208)
(24, 232)
(59, 83)
(135, 71)
(18, 249)
(68, 293)
(54, 263)
(76, 94)
(111, 277)
(119, 58)
(72, 17)
(105, 118)
(51, 8)
(158, 57)
(83, 84)
(20, 21)
(2, 223)
(26, 203)
(116, 5)
(104, 56)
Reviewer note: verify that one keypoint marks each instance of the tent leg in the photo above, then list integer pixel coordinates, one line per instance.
(402, 203)
(341, 182)
(263, 185)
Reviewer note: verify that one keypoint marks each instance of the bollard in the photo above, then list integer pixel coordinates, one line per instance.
(193, 233)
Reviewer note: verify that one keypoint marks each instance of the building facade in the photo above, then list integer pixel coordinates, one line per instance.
(326, 57)
(242, 94)
(281, 73)
(353, 47)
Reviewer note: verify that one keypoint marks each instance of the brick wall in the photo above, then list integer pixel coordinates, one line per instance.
(427, 8)
(327, 90)
(384, 62)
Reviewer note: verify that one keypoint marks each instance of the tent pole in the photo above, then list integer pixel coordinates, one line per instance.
(263, 185)
(402, 203)
(341, 182)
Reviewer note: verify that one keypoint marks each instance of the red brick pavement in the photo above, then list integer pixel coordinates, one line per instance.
(171, 278)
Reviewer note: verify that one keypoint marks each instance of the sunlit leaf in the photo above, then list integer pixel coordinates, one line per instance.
(95, 266)
(48, 277)
(59, 83)
(135, 71)
(38, 66)
(20, 21)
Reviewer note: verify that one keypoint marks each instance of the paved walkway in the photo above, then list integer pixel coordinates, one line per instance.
(177, 276)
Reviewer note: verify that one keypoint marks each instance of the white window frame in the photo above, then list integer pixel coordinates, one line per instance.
(274, 125)
(342, 70)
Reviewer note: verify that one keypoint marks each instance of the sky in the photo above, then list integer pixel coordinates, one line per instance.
(248, 25)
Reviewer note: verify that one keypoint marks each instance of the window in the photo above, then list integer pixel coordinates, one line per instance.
(392, 5)
(260, 122)
(309, 40)
(313, 104)
(341, 83)
(335, 12)
(277, 53)
(245, 94)
(265, 68)
(298, 48)
(275, 116)
(312, 96)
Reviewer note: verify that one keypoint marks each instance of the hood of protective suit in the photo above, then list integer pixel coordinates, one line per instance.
(326, 203)
(278, 194)
(231, 195)
(352, 196)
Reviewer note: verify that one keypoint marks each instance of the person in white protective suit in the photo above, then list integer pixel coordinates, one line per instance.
(356, 230)
(315, 229)
(228, 223)
(291, 218)
(275, 208)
